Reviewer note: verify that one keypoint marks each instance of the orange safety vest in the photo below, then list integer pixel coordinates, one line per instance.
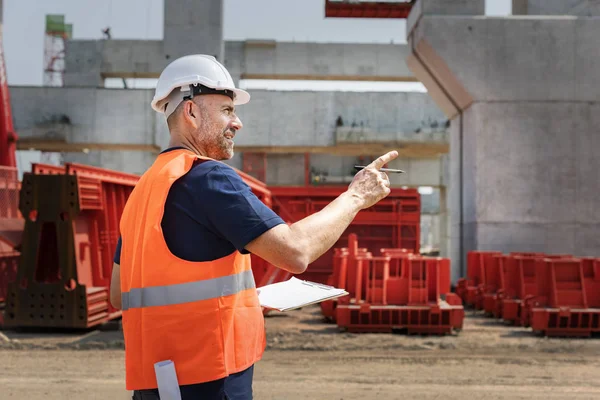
(203, 316)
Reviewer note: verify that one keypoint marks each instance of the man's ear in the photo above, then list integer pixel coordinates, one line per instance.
(189, 108)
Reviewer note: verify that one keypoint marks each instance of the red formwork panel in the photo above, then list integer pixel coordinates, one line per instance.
(468, 288)
(395, 277)
(519, 282)
(344, 275)
(392, 223)
(336, 279)
(435, 319)
(493, 281)
(8, 271)
(399, 290)
(591, 279)
(561, 306)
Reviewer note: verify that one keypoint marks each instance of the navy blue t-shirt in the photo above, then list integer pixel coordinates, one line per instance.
(210, 212)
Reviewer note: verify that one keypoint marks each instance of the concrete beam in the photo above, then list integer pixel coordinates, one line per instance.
(582, 8)
(89, 61)
(334, 61)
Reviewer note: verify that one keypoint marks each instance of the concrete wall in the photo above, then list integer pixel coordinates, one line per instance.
(309, 118)
(522, 171)
(90, 116)
(134, 162)
(542, 163)
(270, 119)
(333, 168)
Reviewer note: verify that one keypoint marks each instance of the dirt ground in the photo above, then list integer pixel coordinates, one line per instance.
(307, 358)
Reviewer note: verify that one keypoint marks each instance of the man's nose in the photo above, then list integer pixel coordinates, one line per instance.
(237, 124)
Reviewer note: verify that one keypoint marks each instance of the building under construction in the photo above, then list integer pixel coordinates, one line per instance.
(494, 217)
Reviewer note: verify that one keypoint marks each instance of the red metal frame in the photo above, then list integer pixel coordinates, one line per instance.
(562, 306)
(468, 288)
(392, 223)
(493, 282)
(367, 9)
(394, 290)
(92, 231)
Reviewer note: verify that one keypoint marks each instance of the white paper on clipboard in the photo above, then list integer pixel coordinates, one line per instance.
(295, 293)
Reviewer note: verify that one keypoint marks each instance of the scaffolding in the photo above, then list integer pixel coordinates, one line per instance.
(55, 40)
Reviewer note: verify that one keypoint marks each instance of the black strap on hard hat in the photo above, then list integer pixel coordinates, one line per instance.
(200, 89)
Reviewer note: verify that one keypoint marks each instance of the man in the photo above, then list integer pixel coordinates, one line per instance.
(182, 272)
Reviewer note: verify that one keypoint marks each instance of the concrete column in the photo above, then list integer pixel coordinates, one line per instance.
(193, 26)
(522, 95)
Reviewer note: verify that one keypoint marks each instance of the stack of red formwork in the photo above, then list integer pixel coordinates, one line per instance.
(71, 229)
(397, 290)
(556, 294)
(391, 223)
(506, 280)
(469, 289)
(567, 298)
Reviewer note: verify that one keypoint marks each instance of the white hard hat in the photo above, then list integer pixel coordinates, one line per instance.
(194, 75)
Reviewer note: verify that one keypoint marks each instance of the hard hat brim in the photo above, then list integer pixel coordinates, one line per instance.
(241, 97)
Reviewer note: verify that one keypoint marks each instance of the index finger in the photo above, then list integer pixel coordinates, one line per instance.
(384, 159)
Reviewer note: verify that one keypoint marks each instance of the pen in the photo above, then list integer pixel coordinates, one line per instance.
(399, 171)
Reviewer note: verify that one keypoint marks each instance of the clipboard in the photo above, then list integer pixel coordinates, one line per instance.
(296, 293)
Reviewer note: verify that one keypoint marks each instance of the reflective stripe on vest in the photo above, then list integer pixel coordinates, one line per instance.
(187, 292)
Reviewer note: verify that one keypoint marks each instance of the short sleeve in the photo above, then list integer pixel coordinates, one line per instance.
(117, 257)
(229, 206)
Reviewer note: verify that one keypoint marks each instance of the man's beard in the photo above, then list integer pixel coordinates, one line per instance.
(219, 147)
